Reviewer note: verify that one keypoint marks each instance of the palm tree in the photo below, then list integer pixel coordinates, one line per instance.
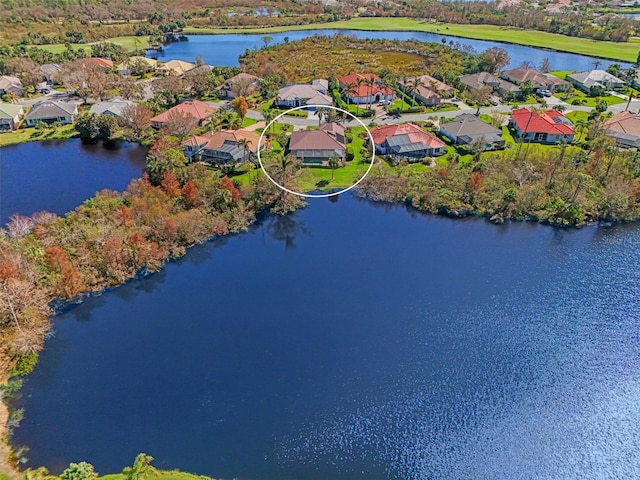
(370, 83)
(629, 78)
(268, 116)
(359, 83)
(321, 113)
(244, 143)
(581, 127)
(334, 162)
(416, 83)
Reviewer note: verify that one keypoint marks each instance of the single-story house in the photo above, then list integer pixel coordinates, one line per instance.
(111, 107)
(316, 147)
(544, 127)
(595, 79)
(10, 116)
(49, 111)
(625, 128)
(50, 71)
(406, 141)
(300, 94)
(104, 63)
(484, 79)
(543, 81)
(196, 108)
(365, 88)
(9, 83)
(467, 128)
(178, 67)
(224, 146)
(125, 67)
(246, 80)
(429, 91)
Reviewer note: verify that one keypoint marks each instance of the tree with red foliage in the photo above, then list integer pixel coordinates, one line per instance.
(170, 184)
(190, 194)
(240, 106)
(227, 184)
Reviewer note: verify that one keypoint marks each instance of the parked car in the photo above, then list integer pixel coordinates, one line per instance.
(543, 93)
(494, 102)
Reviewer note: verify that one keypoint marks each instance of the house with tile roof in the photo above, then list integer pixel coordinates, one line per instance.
(195, 108)
(49, 111)
(595, 80)
(406, 141)
(125, 67)
(104, 63)
(550, 126)
(10, 116)
(299, 94)
(498, 85)
(365, 88)
(177, 67)
(9, 83)
(625, 128)
(543, 81)
(245, 80)
(467, 128)
(316, 147)
(229, 147)
(111, 107)
(428, 90)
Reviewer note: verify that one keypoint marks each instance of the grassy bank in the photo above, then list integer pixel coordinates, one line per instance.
(616, 51)
(31, 134)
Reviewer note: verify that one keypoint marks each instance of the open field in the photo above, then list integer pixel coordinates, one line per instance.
(129, 43)
(616, 51)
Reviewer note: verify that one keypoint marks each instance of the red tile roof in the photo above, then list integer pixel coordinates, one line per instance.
(364, 90)
(99, 62)
(196, 108)
(414, 132)
(215, 140)
(551, 121)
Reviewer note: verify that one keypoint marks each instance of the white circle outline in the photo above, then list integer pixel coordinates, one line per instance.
(317, 195)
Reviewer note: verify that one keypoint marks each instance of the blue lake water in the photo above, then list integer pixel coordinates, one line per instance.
(58, 175)
(225, 49)
(354, 340)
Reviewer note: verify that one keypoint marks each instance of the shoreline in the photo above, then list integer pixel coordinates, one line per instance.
(388, 24)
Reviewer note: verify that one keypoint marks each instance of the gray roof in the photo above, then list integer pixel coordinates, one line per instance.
(114, 107)
(594, 78)
(468, 124)
(403, 144)
(51, 109)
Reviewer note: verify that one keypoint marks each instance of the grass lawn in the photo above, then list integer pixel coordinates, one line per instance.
(613, 50)
(129, 42)
(561, 74)
(530, 100)
(248, 121)
(30, 134)
(588, 101)
(577, 116)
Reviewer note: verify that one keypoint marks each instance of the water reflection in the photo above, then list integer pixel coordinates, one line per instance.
(285, 228)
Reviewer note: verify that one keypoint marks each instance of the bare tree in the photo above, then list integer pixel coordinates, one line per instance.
(180, 124)
(136, 117)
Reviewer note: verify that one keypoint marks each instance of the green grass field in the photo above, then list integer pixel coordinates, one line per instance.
(30, 134)
(129, 43)
(617, 51)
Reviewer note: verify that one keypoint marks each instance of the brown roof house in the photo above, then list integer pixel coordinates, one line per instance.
(229, 147)
(484, 79)
(543, 81)
(316, 147)
(50, 112)
(240, 82)
(10, 116)
(625, 128)
(177, 67)
(9, 83)
(428, 90)
(194, 108)
(406, 141)
(466, 129)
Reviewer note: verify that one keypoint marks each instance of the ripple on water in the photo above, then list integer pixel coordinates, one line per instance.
(540, 382)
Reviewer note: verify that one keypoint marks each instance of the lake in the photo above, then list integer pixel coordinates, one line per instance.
(356, 340)
(225, 49)
(58, 175)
